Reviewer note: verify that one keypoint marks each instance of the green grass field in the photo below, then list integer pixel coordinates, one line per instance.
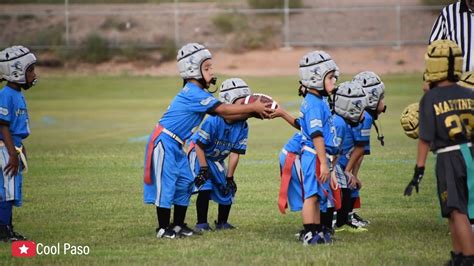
(85, 186)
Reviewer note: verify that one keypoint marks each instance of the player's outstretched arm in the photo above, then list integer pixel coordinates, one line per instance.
(231, 186)
(13, 162)
(238, 117)
(423, 149)
(356, 154)
(281, 112)
(203, 174)
(357, 166)
(235, 109)
(233, 162)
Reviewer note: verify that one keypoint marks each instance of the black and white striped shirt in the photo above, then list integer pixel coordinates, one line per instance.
(456, 23)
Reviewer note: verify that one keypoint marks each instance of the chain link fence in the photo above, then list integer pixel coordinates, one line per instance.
(214, 24)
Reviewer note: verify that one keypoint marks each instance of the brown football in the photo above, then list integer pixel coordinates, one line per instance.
(263, 98)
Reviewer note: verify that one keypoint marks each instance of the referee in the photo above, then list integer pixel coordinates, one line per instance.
(456, 23)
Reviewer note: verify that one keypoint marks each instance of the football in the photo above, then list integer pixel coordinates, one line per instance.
(263, 98)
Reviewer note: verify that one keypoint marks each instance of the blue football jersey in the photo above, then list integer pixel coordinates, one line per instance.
(315, 118)
(13, 112)
(220, 138)
(362, 132)
(187, 110)
(365, 131)
(294, 144)
(358, 135)
(333, 141)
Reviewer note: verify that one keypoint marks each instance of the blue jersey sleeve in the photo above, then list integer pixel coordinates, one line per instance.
(362, 132)
(314, 118)
(341, 127)
(203, 102)
(205, 133)
(241, 145)
(6, 107)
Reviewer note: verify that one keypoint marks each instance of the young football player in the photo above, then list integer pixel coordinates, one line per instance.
(318, 75)
(168, 179)
(446, 120)
(17, 67)
(217, 140)
(374, 89)
(355, 138)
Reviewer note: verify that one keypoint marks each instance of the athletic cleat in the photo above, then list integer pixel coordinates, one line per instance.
(184, 231)
(358, 223)
(165, 233)
(300, 235)
(327, 237)
(351, 228)
(311, 238)
(17, 235)
(455, 259)
(328, 234)
(360, 219)
(8, 235)
(204, 227)
(224, 226)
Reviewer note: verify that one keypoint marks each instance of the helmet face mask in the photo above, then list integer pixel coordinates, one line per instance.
(15, 62)
(233, 89)
(314, 67)
(349, 102)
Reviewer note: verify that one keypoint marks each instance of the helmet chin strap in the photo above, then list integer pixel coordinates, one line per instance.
(213, 81)
(27, 86)
(380, 135)
(323, 93)
(302, 90)
(373, 113)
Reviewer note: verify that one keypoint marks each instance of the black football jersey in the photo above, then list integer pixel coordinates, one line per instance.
(447, 116)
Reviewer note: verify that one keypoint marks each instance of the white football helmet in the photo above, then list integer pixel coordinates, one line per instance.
(373, 88)
(314, 67)
(350, 101)
(233, 89)
(14, 61)
(190, 58)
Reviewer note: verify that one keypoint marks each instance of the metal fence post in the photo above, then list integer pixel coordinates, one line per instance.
(176, 23)
(398, 24)
(286, 24)
(66, 21)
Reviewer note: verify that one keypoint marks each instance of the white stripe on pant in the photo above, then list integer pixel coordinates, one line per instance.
(8, 181)
(158, 158)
